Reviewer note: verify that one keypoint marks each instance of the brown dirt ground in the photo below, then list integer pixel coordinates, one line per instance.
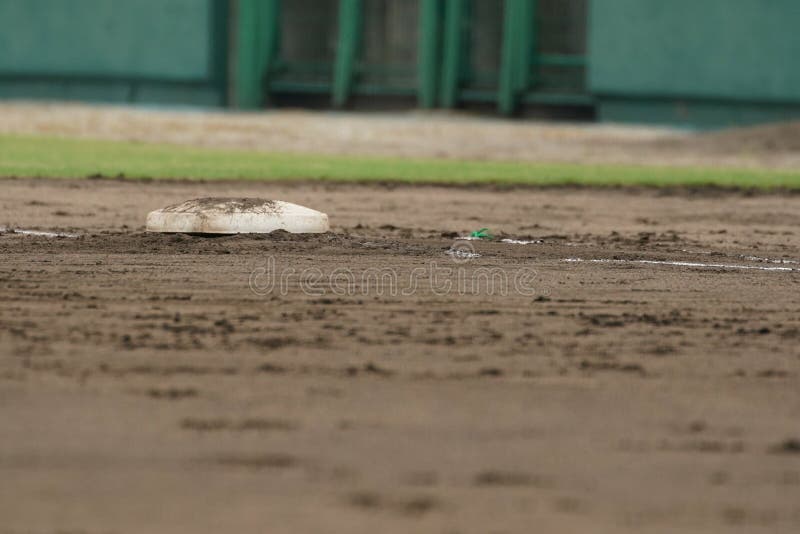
(418, 134)
(144, 387)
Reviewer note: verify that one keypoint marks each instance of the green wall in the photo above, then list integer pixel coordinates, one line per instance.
(703, 63)
(125, 51)
(698, 62)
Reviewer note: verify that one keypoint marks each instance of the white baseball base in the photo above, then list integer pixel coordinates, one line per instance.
(236, 216)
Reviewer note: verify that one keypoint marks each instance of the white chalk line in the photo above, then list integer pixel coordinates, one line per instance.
(5, 230)
(522, 241)
(687, 264)
(770, 260)
(699, 265)
(748, 257)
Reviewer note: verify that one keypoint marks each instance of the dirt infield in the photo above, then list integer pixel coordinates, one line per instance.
(633, 368)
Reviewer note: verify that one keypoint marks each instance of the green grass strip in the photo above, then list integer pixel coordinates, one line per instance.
(31, 156)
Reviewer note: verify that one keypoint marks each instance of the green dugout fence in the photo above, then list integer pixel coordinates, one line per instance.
(443, 53)
(699, 64)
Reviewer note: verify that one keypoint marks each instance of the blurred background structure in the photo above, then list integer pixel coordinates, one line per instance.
(705, 64)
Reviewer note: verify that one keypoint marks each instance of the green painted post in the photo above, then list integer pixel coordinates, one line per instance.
(453, 51)
(246, 87)
(256, 47)
(427, 62)
(506, 101)
(350, 12)
(271, 15)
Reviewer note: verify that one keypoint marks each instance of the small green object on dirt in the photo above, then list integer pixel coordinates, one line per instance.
(483, 233)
